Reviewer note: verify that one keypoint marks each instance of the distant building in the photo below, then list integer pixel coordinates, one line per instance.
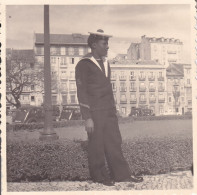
(66, 50)
(139, 84)
(162, 50)
(133, 52)
(121, 57)
(179, 88)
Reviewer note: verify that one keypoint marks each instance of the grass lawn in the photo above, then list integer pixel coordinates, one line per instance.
(136, 129)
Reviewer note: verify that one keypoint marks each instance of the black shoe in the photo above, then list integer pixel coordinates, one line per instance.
(135, 179)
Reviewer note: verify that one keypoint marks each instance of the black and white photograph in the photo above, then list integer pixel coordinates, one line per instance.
(98, 97)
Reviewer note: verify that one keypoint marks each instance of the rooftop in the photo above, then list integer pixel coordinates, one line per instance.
(133, 62)
(161, 39)
(62, 39)
(23, 55)
(175, 70)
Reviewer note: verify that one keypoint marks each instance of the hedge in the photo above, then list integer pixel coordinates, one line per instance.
(33, 126)
(60, 160)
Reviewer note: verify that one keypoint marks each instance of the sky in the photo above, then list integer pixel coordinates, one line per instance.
(127, 23)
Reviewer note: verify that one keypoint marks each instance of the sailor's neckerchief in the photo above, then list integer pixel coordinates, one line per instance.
(91, 57)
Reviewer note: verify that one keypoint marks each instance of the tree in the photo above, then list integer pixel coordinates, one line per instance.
(19, 75)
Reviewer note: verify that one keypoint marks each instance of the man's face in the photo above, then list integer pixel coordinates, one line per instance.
(101, 47)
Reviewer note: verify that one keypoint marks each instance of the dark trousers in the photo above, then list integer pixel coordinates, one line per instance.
(106, 141)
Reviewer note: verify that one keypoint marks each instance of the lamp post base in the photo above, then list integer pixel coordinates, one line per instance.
(48, 137)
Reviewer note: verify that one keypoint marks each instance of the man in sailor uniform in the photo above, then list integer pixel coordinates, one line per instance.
(97, 105)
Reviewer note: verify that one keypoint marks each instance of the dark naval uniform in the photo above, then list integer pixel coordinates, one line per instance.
(95, 96)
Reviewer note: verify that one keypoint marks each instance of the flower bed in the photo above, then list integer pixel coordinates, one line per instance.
(60, 160)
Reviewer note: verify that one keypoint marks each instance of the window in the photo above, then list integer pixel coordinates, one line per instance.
(160, 74)
(188, 81)
(39, 50)
(72, 74)
(132, 73)
(142, 97)
(160, 85)
(141, 74)
(188, 71)
(170, 99)
(63, 51)
(57, 50)
(142, 85)
(122, 86)
(81, 51)
(32, 98)
(71, 60)
(152, 108)
(32, 87)
(151, 74)
(25, 97)
(182, 99)
(63, 60)
(72, 99)
(123, 98)
(89, 49)
(113, 85)
(161, 109)
(54, 99)
(64, 99)
(64, 86)
(53, 50)
(132, 85)
(132, 96)
(113, 75)
(123, 110)
(70, 51)
(161, 96)
(72, 86)
(53, 60)
(151, 85)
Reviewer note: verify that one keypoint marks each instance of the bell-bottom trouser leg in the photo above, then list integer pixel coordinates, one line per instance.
(105, 141)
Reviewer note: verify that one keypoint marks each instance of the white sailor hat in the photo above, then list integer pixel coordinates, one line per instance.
(100, 32)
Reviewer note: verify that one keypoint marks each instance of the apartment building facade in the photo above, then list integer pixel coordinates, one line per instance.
(65, 51)
(139, 84)
(163, 50)
(179, 88)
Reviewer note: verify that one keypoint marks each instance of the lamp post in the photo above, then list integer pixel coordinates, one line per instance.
(48, 132)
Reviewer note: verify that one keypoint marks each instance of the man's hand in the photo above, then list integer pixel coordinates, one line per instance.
(89, 125)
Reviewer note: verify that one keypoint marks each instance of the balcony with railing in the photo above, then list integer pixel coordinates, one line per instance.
(133, 100)
(152, 88)
(113, 77)
(142, 78)
(160, 78)
(74, 89)
(161, 89)
(123, 89)
(122, 77)
(161, 99)
(151, 78)
(132, 78)
(152, 99)
(142, 101)
(133, 88)
(142, 89)
(123, 101)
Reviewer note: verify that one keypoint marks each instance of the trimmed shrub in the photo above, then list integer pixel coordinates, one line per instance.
(60, 160)
(34, 126)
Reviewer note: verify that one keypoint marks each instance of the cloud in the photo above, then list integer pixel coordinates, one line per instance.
(128, 22)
